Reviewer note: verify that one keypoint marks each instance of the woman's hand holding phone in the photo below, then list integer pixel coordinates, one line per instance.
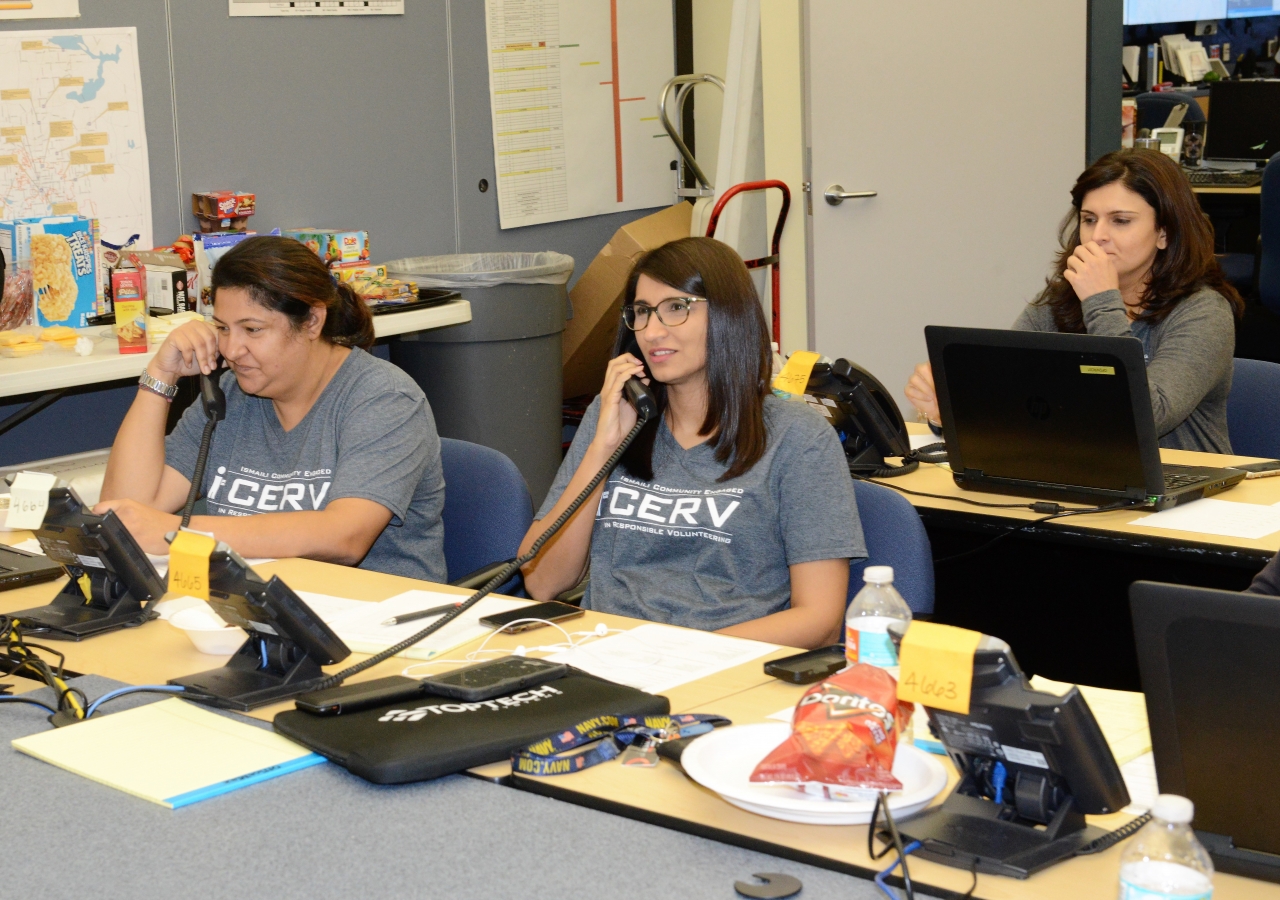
(190, 349)
(617, 416)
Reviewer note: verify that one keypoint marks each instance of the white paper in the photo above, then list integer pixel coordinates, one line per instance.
(1140, 778)
(86, 81)
(657, 658)
(362, 630)
(1224, 518)
(315, 8)
(29, 499)
(573, 93)
(923, 440)
(328, 607)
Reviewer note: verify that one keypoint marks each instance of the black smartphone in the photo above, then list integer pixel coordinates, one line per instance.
(494, 678)
(546, 612)
(365, 695)
(808, 667)
(1269, 465)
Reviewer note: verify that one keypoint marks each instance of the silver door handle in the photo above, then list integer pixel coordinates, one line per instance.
(836, 194)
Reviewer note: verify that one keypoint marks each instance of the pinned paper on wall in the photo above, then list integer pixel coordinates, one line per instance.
(29, 500)
(936, 666)
(40, 9)
(189, 564)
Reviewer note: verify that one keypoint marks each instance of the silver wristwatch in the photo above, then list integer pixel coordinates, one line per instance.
(156, 386)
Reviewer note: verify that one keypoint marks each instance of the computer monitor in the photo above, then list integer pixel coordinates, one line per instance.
(111, 582)
(1211, 676)
(1150, 12)
(1058, 766)
(287, 645)
(1239, 9)
(1244, 121)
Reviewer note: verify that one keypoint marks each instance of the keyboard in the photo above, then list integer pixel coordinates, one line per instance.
(1211, 178)
(1173, 481)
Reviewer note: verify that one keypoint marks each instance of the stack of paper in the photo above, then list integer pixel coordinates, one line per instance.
(171, 753)
(656, 658)
(1221, 517)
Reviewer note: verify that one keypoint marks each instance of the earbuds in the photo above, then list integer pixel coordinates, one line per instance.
(520, 651)
(601, 629)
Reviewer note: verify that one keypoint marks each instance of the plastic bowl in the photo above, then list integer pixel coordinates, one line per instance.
(208, 632)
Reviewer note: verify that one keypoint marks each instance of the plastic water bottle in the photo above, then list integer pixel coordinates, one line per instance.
(1164, 860)
(866, 624)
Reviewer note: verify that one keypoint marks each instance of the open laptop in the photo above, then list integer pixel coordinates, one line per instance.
(1058, 417)
(1210, 674)
(18, 567)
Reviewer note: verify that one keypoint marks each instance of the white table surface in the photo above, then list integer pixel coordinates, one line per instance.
(56, 368)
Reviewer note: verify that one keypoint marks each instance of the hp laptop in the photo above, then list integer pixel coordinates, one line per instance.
(17, 567)
(1209, 672)
(1058, 417)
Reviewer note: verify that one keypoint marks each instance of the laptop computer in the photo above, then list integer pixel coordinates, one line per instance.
(18, 567)
(1209, 672)
(1058, 417)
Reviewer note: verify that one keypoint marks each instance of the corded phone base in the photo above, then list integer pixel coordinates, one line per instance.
(68, 617)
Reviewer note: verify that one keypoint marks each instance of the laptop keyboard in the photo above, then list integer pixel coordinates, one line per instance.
(1214, 178)
(1173, 481)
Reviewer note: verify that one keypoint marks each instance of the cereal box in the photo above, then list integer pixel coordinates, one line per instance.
(131, 310)
(333, 246)
(61, 253)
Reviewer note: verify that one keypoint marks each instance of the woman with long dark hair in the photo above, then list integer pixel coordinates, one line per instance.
(326, 452)
(1137, 261)
(733, 510)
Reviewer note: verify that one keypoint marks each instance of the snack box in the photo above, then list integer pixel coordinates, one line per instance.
(61, 254)
(209, 248)
(331, 245)
(131, 310)
(349, 272)
(223, 204)
(164, 284)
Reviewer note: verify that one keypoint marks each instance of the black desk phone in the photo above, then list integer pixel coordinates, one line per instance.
(864, 415)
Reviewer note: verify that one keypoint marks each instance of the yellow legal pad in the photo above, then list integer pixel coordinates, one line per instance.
(172, 752)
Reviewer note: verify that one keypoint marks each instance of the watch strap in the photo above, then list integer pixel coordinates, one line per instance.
(156, 386)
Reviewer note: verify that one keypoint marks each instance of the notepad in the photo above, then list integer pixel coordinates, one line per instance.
(172, 753)
(1225, 518)
(362, 630)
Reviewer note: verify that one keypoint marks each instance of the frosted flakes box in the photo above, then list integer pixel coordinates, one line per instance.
(61, 253)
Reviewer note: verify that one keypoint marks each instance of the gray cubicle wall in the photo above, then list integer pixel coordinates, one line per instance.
(338, 122)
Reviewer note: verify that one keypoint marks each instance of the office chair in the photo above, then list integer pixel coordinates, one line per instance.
(1154, 108)
(487, 511)
(895, 537)
(1253, 408)
(1268, 274)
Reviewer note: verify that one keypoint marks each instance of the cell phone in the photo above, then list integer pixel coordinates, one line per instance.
(808, 667)
(494, 678)
(365, 695)
(1260, 469)
(547, 612)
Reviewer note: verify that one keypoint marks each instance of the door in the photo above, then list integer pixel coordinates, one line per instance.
(968, 121)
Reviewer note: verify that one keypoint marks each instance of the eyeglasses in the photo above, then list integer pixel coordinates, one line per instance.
(672, 311)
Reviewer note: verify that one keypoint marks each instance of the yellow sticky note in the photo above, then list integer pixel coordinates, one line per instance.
(189, 564)
(936, 666)
(794, 377)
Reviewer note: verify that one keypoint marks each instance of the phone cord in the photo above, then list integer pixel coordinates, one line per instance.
(202, 459)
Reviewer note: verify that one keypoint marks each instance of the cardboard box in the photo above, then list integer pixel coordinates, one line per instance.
(223, 210)
(61, 253)
(597, 297)
(164, 280)
(131, 310)
(333, 246)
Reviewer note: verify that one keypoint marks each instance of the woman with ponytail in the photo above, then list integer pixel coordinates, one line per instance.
(326, 452)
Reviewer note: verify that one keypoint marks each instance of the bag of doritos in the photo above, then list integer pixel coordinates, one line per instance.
(844, 734)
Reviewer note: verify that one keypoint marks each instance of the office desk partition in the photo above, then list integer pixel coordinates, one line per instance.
(1058, 592)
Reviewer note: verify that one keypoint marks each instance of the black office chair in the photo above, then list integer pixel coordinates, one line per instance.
(1154, 108)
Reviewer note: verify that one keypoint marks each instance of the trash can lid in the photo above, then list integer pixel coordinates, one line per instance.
(461, 270)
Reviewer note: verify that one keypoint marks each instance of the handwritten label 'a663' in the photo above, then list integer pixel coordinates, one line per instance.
(929, 687)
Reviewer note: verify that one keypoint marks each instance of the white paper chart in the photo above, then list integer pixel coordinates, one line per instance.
(72, 135)
(237, 8)
(573, 89)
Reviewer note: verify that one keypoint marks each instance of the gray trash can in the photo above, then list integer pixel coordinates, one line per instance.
(497, 379)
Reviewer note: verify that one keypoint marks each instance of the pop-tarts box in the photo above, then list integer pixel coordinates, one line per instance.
(61, 253)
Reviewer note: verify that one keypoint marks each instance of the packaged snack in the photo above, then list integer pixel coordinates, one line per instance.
(131, 311)
(15, 307)
(61, 335)
(331, 245)
(60, 253)
(225, 211)
(844, 736)
(164, 280)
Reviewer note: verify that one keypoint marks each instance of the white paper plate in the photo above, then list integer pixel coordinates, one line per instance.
(723, 760)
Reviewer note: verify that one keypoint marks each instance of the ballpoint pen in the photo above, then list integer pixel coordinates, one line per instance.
(421, 614)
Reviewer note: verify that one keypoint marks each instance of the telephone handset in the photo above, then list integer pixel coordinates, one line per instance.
(214, 402)
(864, 415)
(212, 398)
(640, 397)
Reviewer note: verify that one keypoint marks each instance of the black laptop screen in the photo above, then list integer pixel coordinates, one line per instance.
(1053, 417)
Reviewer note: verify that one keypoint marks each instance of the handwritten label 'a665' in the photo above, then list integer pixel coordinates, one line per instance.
(188, 582)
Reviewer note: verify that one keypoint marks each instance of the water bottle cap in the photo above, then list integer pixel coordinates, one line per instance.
(878, 574)
(1172, 808)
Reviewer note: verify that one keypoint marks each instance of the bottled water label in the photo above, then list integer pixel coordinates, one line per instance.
(866, 640)
(1156, 880)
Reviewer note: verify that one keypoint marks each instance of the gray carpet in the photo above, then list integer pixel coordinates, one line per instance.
(323, 833)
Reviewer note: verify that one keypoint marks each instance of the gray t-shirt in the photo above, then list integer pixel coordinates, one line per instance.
(688, 550)
(369, 435)
(1188, 361)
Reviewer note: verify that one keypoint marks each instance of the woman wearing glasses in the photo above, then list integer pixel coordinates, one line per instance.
(732, 510)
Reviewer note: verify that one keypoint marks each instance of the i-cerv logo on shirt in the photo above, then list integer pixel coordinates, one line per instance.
(251, 490)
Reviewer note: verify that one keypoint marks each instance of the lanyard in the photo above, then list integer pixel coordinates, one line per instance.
(613, 734)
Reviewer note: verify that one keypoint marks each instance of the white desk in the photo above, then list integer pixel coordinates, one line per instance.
(56, 368)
